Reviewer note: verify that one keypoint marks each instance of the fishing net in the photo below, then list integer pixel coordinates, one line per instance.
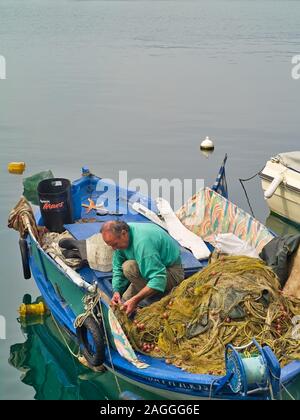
(232, 301)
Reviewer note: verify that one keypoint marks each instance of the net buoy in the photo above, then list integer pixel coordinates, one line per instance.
(16, 167)
(207, 144)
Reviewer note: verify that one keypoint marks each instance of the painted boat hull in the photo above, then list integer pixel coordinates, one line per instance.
(285, 202)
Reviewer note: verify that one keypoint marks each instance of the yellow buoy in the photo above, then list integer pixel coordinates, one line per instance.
(32, 309)
(16, 167)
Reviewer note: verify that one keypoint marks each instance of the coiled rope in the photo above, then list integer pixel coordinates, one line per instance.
(90, 302)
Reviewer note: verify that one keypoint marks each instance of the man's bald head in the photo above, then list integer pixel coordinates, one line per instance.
(116, 234)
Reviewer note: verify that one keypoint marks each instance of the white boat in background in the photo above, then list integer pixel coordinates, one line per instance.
(281, 185)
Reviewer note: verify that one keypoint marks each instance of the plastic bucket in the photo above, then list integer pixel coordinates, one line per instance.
(55, 202)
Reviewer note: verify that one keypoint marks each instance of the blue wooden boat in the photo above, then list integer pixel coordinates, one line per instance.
(64, 295)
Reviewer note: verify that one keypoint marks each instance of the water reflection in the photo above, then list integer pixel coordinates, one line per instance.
(207, 153)
(47, 365)
(281, 227)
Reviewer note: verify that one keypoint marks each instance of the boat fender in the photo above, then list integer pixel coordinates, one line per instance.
(91, 341)
(274, 185)
(25, 258)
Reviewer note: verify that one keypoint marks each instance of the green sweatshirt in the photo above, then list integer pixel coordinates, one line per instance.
(153, 249)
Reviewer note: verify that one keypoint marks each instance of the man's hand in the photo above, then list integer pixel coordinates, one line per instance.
(116, 299)
(130, 305)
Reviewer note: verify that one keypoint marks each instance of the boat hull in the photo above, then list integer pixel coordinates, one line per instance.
(285, 202)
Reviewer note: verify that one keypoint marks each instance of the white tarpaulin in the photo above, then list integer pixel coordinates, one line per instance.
(290, 160)
(178, 231)
(232, 245)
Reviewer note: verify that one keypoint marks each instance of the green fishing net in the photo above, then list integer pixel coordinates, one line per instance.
(232, 301)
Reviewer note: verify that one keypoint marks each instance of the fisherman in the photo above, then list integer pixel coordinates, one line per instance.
(146, 263)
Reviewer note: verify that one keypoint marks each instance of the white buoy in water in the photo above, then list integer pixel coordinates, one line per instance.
(207, 144)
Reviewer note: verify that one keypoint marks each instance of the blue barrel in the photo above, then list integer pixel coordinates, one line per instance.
(55, 200)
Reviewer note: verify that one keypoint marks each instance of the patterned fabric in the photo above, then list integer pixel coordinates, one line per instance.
(122, 344)
(220, 185)
(208, 213)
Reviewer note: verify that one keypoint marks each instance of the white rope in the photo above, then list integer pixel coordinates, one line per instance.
(90, 302)
(289, 394)
(283, 386)
(109, 352)
(65, 341)
(211, 388)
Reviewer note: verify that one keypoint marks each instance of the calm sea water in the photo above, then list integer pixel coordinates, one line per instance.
(134, 85)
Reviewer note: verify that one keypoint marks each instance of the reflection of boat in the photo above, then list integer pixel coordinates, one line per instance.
(281, 227)
(47, 365)
(281, 184)
(206, 213)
